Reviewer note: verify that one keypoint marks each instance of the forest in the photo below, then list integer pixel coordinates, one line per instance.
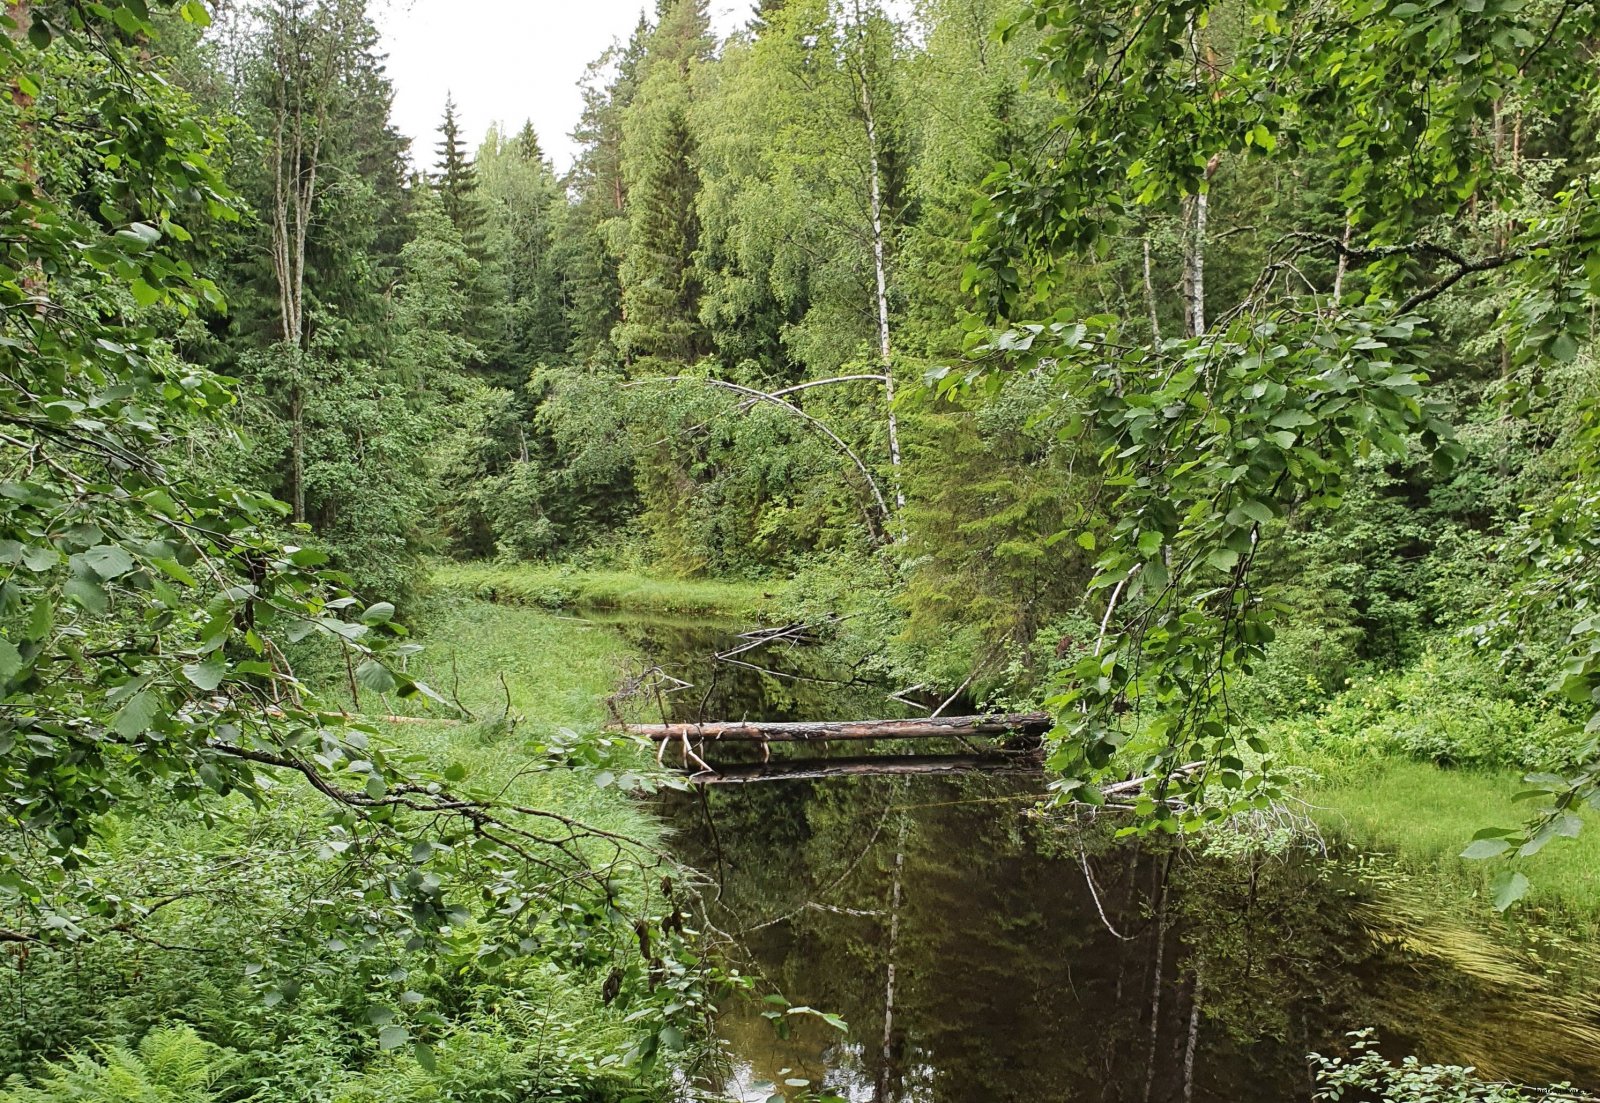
(1216, 377)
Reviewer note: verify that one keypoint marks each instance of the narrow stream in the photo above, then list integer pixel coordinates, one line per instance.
(980, 951)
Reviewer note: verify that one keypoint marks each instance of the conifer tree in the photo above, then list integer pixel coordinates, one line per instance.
(454, 178)
(660, 286)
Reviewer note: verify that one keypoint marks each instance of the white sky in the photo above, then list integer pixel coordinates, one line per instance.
(505, 61)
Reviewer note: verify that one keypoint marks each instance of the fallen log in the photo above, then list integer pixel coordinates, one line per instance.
(806, 731)
(868, 766)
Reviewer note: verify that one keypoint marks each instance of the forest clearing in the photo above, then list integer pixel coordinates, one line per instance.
(910, 551)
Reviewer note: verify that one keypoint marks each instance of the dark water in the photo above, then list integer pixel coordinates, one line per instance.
(979, 951)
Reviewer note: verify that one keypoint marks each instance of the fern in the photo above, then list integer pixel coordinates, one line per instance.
(172, 1065)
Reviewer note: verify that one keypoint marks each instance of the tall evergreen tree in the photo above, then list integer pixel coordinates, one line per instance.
(588, 232)
(660, 286)
(454, 178)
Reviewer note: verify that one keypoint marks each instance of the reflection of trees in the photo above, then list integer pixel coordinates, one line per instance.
(1008, 984)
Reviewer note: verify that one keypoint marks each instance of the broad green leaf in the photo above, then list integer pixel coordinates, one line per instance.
(1507, 888)
(10, 659)
(109, 561)
(138, 715)
(375, 676)
(87, 592)
(207, 675)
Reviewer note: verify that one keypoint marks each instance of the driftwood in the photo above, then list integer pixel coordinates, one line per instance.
(817, 731)
(868, 766)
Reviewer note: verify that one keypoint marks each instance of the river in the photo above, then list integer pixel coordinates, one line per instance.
(979, 950)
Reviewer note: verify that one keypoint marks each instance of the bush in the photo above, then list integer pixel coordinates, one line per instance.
(1365, 1074)
(1451, 708)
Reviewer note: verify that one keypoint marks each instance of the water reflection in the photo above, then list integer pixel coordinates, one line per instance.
(980, 952)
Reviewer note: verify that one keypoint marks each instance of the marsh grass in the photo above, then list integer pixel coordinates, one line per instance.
(1425, 815)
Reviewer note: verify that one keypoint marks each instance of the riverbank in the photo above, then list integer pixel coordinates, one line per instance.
(1425, 815)
(557, 587)
(535, 685)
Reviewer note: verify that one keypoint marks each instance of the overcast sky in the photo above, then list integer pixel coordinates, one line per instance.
(505, 61)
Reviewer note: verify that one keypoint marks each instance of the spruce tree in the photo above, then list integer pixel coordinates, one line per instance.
(660, 286)
(454, 177)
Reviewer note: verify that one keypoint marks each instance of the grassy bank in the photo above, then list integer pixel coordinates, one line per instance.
(544, 587)
(1425, 815)
(539, 1022)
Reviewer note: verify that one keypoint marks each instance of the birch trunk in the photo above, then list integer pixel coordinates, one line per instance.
(880, 264)
(885, 1075)
(1197, 267)
(307, 54)
(1150, 292)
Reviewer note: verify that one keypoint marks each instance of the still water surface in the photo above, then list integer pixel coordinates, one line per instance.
(982, 952)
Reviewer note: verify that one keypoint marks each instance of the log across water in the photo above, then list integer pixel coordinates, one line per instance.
(941, 727)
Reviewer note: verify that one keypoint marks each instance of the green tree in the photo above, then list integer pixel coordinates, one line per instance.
(660, 286)
(455, 177)
(1261, 412)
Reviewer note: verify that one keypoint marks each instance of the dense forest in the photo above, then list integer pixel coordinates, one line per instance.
(1216, 375)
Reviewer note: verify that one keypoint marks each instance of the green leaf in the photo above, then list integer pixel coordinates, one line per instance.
(88, 593)
(393, 1037)
(39, 558)
(207, 675)
(175, 570)
(380, 613)
(1086, 541)
(1563, 348)
(138, 715)
(42, 620)
(424, 1054)
(1257, 511)
(375, 676)
(109, 560)
(1485, 848)
(10, 659)
(1507, 888)
(144, 294)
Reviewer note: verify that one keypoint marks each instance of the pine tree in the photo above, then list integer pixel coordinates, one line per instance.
(660, 286)
(586, 230)
(455, 179)
(528, 143)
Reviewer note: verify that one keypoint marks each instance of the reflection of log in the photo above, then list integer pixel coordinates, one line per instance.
(1013, 723)
(867, 766)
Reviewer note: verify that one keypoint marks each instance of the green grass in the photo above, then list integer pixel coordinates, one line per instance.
(540, 1017)
(546, 675)
(567, 588)
(1425, 815)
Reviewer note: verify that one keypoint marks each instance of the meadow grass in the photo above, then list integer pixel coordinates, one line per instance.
(553, 587)
(524, 675)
